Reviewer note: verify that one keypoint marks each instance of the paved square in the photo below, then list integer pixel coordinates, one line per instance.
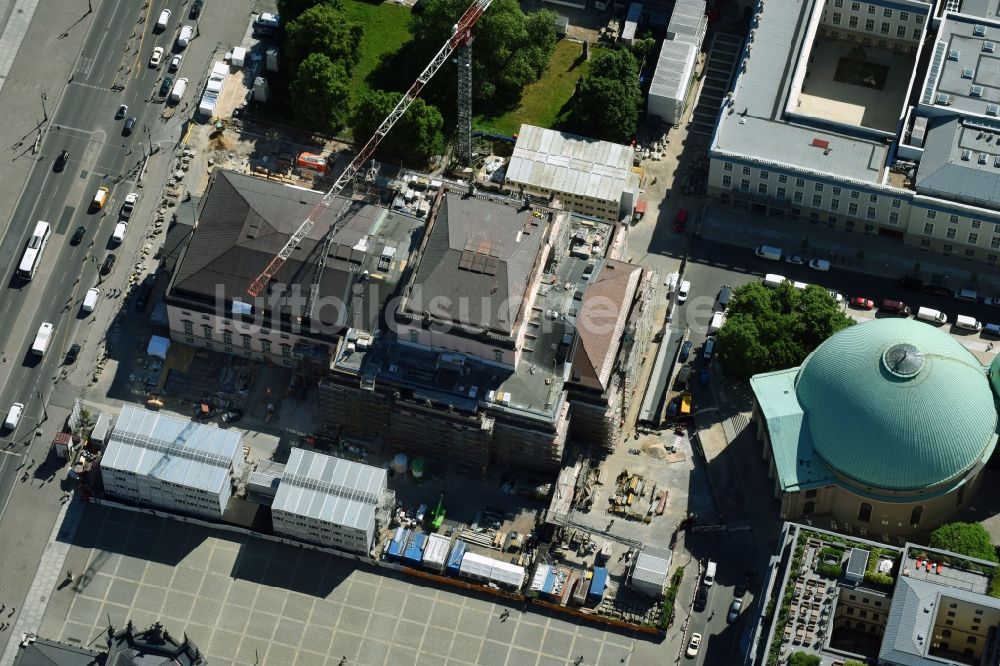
(249, 601)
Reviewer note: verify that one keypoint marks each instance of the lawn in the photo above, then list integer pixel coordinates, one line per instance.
(385, 32)
(544, 99)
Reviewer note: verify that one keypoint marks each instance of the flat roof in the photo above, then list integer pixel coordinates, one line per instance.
(754, 126)
(172, 449)
(651, 566)
(334, 490)
(964, 74)
(673, 69)
(961, 161)
(569, 163)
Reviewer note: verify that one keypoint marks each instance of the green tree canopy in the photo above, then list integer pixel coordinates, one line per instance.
(321, 89)
(606, 103)
(970, 539)
(510, 50)
(770, 329)
(324, 29)
(289, 10)
(416, 135)
(804, 659)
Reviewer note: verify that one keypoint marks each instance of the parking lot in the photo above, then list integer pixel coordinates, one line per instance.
(249, 601)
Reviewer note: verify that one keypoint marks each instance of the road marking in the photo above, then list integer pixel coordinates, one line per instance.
(92, 86)
(61, 128)
(142, 39)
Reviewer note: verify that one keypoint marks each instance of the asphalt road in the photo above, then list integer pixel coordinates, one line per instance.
(112, 69)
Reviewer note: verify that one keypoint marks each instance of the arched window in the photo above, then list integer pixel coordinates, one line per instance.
(915, 515)
(865, 512)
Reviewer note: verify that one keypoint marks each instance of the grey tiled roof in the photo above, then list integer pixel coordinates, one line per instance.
(510, 237)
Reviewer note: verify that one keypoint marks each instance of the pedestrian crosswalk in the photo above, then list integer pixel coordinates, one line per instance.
(734, 425)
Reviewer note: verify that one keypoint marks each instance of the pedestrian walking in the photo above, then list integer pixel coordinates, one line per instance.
(2, 607)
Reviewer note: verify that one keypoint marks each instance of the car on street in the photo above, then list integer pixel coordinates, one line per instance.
(837, 297)
(13, 416)
(168, 82)
(71, 354)
(862, 303)
(108, 265)
(938, 290)
(794, 259)
(175, 62)
(77, 235)
(232, 415)
(129, 205)
(693, 646)
(895, 307)
(683, 291)
(801, 286)
(701, 598)
(819, 264)
(680, 222)
(992, 302)
(742, 585)
(129, 126)
(196, 8)
(60, 162)
(685, 351)
(143, 293)
(184, 38)
(910, 282)
(122, 110)
(157, 57)
(734, 611)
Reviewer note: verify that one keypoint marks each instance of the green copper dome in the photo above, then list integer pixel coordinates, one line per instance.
(897, 404)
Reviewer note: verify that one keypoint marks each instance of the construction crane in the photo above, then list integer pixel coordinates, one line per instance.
(461, 37)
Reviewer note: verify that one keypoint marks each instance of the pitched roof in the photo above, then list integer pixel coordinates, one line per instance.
(478, 262)
(601, 322)
(951, 167)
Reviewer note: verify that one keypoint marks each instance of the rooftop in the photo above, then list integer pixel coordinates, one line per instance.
(174, 450)
(964, 76)
(563, 162)
(43, 652)
(479, 258)
(244, 222)
(536, 385)
(987, 9)
(330, 489)
(672, 74)
(961, 161)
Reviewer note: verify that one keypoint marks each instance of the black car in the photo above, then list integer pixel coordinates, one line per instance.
(108, 265)
(938, 290)
(168, 81)
(685, 350)
(701, 598)
(143, 293)
(742, 586)
(77, 235)
(196, 8)
(910, 282)
(129, 126)
(71, 355)
(60, 162)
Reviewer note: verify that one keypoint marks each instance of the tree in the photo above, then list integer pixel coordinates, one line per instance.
(606, 103)
(804, 659)
(511, 48)
(416, 135)
(289, 10)
(770, 329)
(321, 89)
(970, 539)
(324, 29)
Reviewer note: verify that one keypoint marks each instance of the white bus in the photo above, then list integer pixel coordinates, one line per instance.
(33, 253)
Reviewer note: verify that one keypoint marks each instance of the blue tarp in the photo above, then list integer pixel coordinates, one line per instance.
(455, 558)
(550, 581)
(598, 583)
(397, 544)
(414, 552)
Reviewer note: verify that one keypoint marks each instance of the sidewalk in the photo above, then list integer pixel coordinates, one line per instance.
(881, 256)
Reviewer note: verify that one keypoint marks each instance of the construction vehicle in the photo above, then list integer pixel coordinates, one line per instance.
(460, 39)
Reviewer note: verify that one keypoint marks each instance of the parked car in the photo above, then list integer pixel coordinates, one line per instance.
(742, 585)
(157, 57)
(130, 200)
(143, 293)
(196, 8)
(725, 293)
(78, 235)
(72, 354)
(896, 307)
(693, 646)
(734, 611)
(794, 259)
(683, 290)
(862, 303)
(938, 290)
(60, 162)
(685, 351)
(108, 265)
(837, 297)
(969, 295)
(701, 598)
(819, 265)
(680, 222)
(993, 302)
(232, 415)
(168, 82)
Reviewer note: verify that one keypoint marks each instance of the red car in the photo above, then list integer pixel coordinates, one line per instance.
(862, 303)
(680, 222)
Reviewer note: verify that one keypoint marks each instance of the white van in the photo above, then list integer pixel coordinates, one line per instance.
(178, 90)
(768, 252)
(118, 235)
(968, 323)
(13, 416)
(931, 315)
(161, 23)
(774, 280)
(90, 300)
(184, 38)
(42, 339)
(718, 319)
(710, 570)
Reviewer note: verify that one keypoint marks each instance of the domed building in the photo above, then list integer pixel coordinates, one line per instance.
(884, 429)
